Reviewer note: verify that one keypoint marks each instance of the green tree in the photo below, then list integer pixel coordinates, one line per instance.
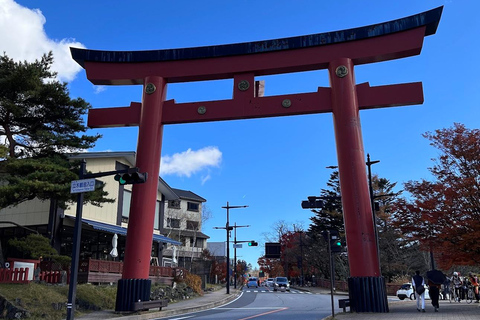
(330, 217)
(395, 256)
(35, 246)
(39, 124)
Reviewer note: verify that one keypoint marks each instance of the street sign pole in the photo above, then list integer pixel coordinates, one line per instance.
(77, 235)
(86, 183)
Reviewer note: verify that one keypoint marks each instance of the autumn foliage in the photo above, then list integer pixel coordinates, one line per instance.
(443, 215)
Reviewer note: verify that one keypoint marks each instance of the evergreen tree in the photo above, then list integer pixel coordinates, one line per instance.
(39, 125)
(330, 217)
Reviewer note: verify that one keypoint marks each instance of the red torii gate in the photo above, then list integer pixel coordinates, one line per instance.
(336, 51)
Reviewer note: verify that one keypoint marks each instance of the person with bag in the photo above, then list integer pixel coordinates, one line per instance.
(418, 284)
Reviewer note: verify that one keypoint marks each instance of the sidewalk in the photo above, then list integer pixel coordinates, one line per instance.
(207, 301)
(407, 310)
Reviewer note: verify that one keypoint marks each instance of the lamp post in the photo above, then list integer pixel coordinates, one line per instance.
(372, 201)
(228, 228)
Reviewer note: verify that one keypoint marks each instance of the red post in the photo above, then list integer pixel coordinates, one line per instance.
(144, 196)
(362, 251)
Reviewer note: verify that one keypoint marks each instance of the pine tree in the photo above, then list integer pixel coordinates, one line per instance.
(39, 125)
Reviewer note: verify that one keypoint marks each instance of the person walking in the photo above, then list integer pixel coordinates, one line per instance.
(474, 282)
(434, 291)
(458, 285)
(419, 286)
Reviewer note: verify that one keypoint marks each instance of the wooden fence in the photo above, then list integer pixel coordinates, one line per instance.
(103, 271)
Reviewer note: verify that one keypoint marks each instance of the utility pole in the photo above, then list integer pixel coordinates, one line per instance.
(228, 229)
(372, 201)
(235, 253)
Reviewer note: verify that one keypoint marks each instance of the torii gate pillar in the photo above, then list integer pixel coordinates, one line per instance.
(357, 211)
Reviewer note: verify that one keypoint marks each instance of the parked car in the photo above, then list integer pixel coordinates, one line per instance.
(252, 282)
(406, 291)
(281, 282)
(269, 282)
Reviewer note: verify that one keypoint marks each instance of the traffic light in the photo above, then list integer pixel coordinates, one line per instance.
(312, 203)
(336, 243)
(253, 244)
(131, 178)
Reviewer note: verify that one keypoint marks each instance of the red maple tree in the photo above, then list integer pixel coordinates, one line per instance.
(444, 215)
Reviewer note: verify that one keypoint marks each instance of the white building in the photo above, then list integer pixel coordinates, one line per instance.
(183, 218)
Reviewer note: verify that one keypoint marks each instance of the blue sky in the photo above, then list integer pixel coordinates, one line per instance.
(270, 164)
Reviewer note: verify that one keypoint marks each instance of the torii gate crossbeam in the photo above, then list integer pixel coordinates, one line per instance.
(336, 51)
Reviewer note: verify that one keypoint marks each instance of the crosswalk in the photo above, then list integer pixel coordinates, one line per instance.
(271, 291)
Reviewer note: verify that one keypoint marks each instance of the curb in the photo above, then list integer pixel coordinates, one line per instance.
(167, 313)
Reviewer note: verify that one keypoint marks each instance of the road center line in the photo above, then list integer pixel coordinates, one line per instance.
(263, 314)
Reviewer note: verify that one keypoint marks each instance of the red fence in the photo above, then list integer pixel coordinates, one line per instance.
(14, 276)
(54, 276)
(92, 271)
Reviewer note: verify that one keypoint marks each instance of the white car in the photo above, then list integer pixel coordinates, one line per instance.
(269, 282)
(406, 291)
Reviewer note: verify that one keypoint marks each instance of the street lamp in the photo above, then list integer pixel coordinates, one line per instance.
(372, 201)
(228, 228)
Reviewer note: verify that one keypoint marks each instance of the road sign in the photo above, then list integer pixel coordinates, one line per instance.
(237, 245)
(84, 185)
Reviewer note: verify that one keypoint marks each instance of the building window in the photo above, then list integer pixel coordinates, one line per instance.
(183, 240)
(174, 204)
(199, 243)
(127, 199)
(192, 225)
(192, 206)
(173, 223)
(156, 223)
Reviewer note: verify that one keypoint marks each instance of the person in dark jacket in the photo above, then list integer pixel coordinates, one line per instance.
(434, 291)
(419, 287)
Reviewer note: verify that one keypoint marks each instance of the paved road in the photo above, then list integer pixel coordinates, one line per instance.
(267, 304)
(405, 310)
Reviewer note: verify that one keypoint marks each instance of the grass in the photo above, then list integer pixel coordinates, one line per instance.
(42, 300)
(48, 302)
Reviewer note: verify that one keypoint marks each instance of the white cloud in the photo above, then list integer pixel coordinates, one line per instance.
(98, 89)
(23, 38)
(189, 162)
(205, 179)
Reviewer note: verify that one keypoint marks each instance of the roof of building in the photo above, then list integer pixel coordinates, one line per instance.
(122, 231)
(188, 195)
(183, 232)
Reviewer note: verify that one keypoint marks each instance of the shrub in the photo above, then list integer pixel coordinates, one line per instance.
(195, 282)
